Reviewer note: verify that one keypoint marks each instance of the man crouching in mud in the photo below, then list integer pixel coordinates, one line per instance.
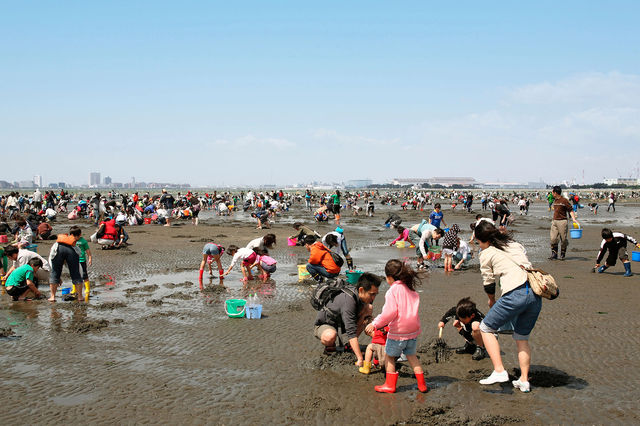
(350, 315)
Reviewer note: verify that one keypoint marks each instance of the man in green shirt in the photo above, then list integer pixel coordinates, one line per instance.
(20, 285)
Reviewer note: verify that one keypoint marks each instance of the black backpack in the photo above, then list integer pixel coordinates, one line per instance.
(325, 292)
(337, 259)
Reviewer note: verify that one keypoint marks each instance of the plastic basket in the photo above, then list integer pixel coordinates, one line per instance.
(253, 311)
(401, 244)
(303, 274)
(235, 307)
(635, 256)
(353, 276)
(292, 241)
(576, 233)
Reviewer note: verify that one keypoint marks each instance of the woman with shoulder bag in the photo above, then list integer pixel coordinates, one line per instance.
(499, 260)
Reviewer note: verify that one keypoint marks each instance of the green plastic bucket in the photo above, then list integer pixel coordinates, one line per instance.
(435, 249)
(353, 276)
(235, 307)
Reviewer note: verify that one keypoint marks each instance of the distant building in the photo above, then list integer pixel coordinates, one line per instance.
(94, 179)
(62, 185)
(358, 183)
(444, 181)
(4, 184)
(622, 181)
(107, 180)
(37, 181)
(25, 184)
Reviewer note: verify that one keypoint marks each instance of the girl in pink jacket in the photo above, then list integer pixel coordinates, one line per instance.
(400, 313)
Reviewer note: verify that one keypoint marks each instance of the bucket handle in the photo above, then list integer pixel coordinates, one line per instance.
(226, 308)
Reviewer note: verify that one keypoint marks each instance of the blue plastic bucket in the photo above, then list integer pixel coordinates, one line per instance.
(387, 225)
(635, 256)
(32, 247)
(576, 233)
(66, 290)
(253, 311)
(353, 276)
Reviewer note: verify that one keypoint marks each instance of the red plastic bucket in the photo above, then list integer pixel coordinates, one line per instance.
(4, 239)
(147, 220)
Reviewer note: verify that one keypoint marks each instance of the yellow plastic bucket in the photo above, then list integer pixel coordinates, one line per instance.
(303, 274)
(401, 244)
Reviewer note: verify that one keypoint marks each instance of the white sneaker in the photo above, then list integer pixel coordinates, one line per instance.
(523, 386)
(496, 377)
(402, 358)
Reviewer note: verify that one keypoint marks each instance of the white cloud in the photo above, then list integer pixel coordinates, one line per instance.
(601, 89)
(550, 129)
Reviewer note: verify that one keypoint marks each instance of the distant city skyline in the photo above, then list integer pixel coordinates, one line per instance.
(252, 93)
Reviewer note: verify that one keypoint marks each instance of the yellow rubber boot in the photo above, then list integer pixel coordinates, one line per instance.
(366, 368)
(73, 289)
(87, 288)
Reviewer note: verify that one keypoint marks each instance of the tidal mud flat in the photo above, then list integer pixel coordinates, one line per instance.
(151, 346)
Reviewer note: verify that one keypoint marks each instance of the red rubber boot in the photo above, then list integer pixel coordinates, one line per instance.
(389, 383)
(200, 274)
(422, 386)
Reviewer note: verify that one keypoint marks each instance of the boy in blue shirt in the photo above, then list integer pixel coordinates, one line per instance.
(437, 216)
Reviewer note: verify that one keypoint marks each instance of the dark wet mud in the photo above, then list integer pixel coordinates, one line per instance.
(156, 346)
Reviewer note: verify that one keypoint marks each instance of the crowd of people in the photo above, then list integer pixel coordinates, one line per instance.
(27, 218)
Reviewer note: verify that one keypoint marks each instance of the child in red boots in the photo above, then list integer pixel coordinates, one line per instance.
(378, 341)
(400, 313)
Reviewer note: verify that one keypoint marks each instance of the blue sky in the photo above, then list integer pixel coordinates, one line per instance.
(232, 93)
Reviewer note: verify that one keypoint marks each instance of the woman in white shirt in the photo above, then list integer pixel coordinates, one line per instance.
(500, 262)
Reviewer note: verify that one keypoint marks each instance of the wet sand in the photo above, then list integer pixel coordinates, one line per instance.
(152, 347)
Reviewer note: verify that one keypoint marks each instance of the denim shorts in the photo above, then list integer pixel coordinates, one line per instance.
(521, 306)
(210, 249)
(395, 348)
